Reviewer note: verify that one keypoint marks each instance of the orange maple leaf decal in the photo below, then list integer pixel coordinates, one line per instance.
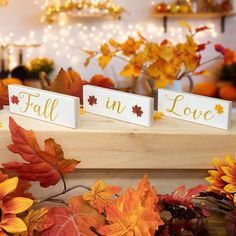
(3, 95)
(219, 109)
(77, 219)
(137, 110)
(100, 195)
(46, 166)
(134, 213)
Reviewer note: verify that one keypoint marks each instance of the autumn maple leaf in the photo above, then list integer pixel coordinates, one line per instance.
(229, 55)
(67, 83)
(182, 196)
(137, 110)
(46, 166)
(106, 56)
(134, 213)
(3, 95)
(15, 100)
(92, 100)
(219, 109)
(21, 189)
(100, 195)
(37, 220)
(76, 219)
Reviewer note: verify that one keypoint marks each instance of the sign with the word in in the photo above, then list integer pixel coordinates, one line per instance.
(195, 108)
(44, 105)
(118, 105)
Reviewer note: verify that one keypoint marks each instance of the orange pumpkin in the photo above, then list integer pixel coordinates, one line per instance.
(228, 92)
(206, 89)
(101, 81)
(9, 81)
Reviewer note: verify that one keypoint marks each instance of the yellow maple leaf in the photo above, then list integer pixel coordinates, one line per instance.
(131, 70)
(81, 111)
(166, 53)
(100, 195)
(103, 61)
(114, 44)
(157, 115)
(90, 57)
(162, 83)
(186, 25)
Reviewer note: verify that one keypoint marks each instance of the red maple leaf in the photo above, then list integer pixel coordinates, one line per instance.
(46, 166)
(137, 110)
(182, 196)
(202, 28)
(92, 100)
(15, 100)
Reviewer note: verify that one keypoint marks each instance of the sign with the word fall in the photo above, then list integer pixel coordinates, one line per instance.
(195, 108)
(44, 105)
(118, 105)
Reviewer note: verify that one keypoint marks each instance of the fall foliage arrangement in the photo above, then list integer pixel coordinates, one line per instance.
(161, 62)
(103, 210)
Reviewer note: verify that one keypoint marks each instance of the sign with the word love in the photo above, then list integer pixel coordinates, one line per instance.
(195, 108)
(118, 105)
(44, 105)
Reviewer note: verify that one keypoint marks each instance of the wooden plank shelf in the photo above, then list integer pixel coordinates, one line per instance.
(201, 15)
(103, 143)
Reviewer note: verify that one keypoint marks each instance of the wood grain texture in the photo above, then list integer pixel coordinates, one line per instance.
(103, 143)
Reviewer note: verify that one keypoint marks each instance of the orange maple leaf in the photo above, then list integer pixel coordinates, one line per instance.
(37, 220)
(229, 55)
(3, 95)
(90, 57)
(77, 219)
(134, 213)
(69, 83)
(45, 166)
(100, 195)
(130, 46)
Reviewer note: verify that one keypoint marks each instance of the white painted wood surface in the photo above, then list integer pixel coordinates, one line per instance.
(118, 105)
(44, 105)
(195, 108)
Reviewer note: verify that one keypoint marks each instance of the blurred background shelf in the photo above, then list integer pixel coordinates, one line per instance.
(211, 15)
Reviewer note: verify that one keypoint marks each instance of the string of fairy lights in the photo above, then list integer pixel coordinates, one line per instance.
(63, 43)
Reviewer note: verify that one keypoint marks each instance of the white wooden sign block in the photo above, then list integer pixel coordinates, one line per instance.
(44, 105)
(195, 108)
(118, 105)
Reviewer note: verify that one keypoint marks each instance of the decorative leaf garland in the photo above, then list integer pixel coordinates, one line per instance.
(105, 210)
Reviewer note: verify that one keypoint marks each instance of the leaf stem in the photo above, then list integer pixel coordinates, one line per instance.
(64, 181)
(65, 191)
(191, 83)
